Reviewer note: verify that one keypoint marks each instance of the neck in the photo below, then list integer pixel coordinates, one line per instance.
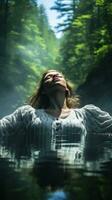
(57, 101)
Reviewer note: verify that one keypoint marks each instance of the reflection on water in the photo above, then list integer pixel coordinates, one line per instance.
(80, 170)
(59, 195)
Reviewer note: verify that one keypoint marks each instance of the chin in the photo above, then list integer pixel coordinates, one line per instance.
(58, 86)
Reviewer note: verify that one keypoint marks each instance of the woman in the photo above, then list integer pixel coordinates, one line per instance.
(51, 128)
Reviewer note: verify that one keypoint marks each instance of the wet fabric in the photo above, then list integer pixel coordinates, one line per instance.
(34, 133)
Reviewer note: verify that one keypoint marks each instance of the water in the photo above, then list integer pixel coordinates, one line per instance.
(33, 175)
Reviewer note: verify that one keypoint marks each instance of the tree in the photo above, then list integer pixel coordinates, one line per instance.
(87, 36)
(28, 50)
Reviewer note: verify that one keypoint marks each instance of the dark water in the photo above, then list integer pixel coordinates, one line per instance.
(33, 175)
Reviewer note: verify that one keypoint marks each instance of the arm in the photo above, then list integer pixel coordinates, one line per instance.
(97, 120)
(14, 134)
(98, 124)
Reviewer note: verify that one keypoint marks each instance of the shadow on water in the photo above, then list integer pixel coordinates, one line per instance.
(37, 175)
(12, 184)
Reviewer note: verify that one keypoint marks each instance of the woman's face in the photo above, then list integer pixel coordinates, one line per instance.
(53, 80)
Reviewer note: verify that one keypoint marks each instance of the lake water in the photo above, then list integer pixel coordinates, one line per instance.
(37, 175)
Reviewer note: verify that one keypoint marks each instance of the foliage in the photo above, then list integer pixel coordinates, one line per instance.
(28, 47)
(87, 36)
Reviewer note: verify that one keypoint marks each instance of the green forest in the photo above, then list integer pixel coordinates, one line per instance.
(28, 46)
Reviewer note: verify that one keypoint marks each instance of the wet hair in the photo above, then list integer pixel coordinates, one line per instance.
(40, 100)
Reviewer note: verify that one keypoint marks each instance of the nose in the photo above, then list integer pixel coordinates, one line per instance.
(55, 76)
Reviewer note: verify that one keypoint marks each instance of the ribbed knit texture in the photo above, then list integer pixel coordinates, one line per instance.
(30, 132)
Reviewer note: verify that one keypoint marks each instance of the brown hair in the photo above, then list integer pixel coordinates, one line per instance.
(40, 100)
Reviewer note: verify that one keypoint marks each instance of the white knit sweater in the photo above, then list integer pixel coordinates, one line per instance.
(33, 132)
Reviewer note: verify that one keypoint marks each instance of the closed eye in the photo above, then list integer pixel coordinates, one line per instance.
(51, 75)
(47, 77)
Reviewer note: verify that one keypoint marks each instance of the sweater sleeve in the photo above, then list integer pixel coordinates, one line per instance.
(11, 123)
(14, 128)
(97, 120)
